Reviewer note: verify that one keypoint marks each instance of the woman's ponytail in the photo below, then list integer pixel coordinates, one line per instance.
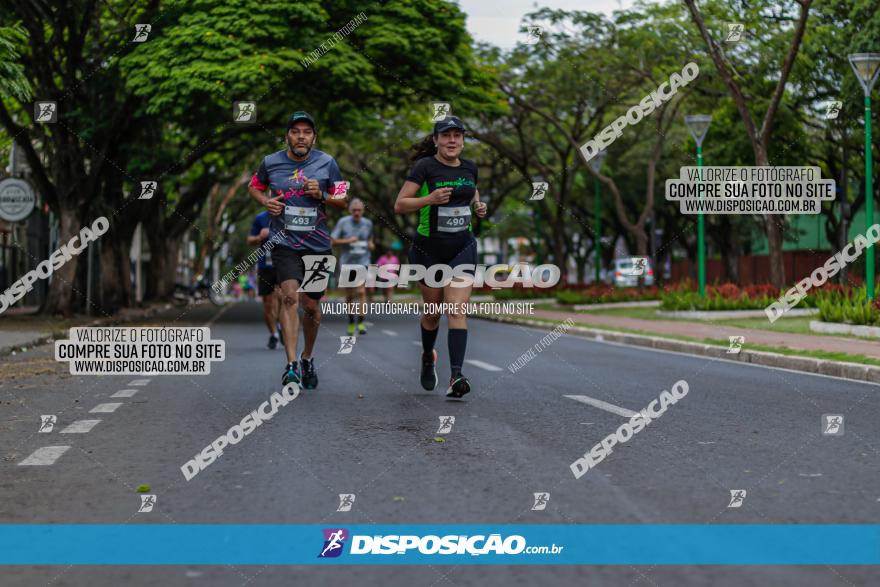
(424, 148)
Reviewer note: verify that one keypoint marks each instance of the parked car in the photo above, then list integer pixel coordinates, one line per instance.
(626, 274)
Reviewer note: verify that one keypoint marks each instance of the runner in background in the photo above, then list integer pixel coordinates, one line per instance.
(389, 258)
(243, 285)
(443, 189)
(267, 279)
(354, 234)
(251, 285)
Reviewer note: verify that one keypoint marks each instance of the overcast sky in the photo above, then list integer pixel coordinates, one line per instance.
(497, 21)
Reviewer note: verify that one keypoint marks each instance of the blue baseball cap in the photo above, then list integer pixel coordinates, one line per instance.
(301, 116)
(448, 123)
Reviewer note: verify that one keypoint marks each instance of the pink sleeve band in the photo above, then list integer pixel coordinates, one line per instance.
(256, 183)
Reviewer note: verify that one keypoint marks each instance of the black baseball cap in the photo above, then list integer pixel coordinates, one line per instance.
(447, 123)
(301, 117)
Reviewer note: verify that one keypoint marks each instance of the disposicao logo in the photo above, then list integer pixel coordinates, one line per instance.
(334, 541)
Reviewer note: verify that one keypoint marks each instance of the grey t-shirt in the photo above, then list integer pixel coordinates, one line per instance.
(356, 253)
(304, 221)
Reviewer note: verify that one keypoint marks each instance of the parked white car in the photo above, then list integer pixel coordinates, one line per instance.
(627, 270)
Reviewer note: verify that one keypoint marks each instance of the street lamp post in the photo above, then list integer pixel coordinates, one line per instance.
(698, 125)
(596, 165)
(867, 66)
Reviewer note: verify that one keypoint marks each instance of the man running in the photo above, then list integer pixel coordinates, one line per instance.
(267, 279)
(300, 182)
(443, 189)
(354, 234)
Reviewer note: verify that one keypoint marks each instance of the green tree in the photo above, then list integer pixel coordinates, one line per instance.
(161, 109)
(755, 78)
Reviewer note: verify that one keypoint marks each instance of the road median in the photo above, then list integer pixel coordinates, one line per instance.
(843, 369)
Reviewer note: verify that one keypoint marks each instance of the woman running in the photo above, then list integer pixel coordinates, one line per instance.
(443, 188)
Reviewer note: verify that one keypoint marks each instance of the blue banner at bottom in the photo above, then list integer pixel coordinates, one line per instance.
(441, 544)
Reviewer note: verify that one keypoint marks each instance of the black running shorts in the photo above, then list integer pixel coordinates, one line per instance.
(289, 265)
(267, 280)
(429, 251)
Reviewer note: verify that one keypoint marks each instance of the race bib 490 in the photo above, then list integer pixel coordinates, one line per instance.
(453, 218)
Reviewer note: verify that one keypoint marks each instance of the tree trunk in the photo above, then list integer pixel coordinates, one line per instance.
(731, 266)
(774, 242)
(163, 265)
(115, 275)
(559, 255)
(725, 239)
(581, 264)
(773, 228)
(63, 282)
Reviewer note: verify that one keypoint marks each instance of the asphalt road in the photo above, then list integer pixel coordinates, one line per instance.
(369, 429)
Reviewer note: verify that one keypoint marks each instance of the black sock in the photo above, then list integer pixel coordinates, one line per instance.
(428, 339)
(351, 318)
(457, 341)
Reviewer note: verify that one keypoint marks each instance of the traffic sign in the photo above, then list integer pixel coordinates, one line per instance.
(17, 199)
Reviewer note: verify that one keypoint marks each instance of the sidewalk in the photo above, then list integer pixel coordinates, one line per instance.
(718, 332)
(20, 327)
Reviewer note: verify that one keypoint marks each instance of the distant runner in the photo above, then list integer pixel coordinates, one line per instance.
(388, 259)
(299, 182)
(354, 234)
(443, 189)
(267, 279)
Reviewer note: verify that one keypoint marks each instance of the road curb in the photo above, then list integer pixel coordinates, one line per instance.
(614, 305)
(725, 314)
(850, 329)
(62, 333)
(853, 371)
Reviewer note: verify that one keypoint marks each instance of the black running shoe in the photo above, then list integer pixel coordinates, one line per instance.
(273, 342)
(429, 371)
(291, 374)
(309, 376)
(458, 387)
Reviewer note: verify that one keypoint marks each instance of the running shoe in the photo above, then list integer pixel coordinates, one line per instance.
(362, 329)
(351, 329)
(429, 371)
(291, 374)
(273, 342)
(309, 376)
(458, 387)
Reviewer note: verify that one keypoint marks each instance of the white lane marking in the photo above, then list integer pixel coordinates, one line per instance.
(139, 382)
(125, 393)
(597, 403)
(417, 343)
(80, 427)
(389, 332)
(482, 365)
(46, 455)
(104, 408)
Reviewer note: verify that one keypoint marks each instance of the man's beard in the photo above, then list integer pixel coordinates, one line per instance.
(299, 151)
